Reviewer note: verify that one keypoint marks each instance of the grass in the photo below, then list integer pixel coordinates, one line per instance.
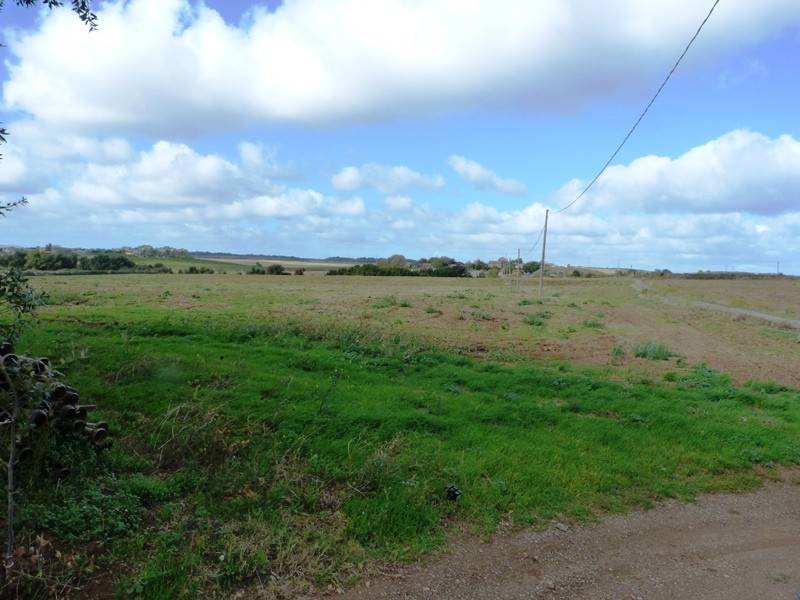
(537, 319)
(653, 351)
(276, 450)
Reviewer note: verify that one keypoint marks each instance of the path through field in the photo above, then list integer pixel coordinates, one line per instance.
(726, 546)
(641, 286)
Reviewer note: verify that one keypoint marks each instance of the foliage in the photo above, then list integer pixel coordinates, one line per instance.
(50, 261)
(275, 270)
(105, 261)
(653, 351)
(593, 324)
(452, 270)
(82, 8)
(195, 270)
(257, 269)
(17, 258)
(530, 267)
(339, 452)
(538, 319)
(18, 302)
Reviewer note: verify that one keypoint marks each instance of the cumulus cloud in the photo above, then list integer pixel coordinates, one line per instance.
(398, 203)
(175, 66)
(387, 180)
(484, 179)
(747, 214)
(739, 171)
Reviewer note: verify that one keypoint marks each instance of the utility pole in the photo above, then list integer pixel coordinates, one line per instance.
(544, 244)
(519, 266)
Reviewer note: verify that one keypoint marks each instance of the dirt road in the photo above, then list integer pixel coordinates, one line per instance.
(727, 546)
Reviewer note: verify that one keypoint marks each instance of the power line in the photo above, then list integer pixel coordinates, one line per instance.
(536, 243)
(644, 112)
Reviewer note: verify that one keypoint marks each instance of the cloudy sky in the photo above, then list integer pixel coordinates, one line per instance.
(425, 127)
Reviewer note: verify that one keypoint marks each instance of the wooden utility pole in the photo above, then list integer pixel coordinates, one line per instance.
(544, 245)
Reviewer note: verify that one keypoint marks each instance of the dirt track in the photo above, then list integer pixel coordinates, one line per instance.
(727, 546)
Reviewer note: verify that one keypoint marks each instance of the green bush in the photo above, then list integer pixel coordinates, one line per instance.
(653, 351)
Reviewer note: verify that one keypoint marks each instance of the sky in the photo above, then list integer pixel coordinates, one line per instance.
(421, 127)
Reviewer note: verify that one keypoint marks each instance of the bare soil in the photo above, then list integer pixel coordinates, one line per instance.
(724, 546)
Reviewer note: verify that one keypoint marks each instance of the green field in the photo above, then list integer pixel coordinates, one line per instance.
(277, 434)
(177, 264)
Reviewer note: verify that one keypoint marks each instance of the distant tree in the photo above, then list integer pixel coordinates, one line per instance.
(275, 270)
(13, 259)
(530, 267)
(106, 261)
(441, 261)
(396, 260)
(50, 261)
(478, 265)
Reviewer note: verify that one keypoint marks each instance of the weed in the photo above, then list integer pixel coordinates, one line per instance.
(386, 302)
(526, 302)
(617, 354)
(653, 351)
(538, 319)
(592, 324)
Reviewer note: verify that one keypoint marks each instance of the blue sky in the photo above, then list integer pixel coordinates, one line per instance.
(422, 128)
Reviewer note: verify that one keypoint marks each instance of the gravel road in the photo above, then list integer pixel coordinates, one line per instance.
(725, 546)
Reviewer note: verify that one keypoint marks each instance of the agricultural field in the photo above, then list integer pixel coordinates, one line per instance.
(183, 264)
(286, 435)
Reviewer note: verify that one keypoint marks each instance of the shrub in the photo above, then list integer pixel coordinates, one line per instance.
(617, 354)
(537, 319)
(530, 267)
(197, 270)
(299, 271)
(105, 261)
(653, 351)
(592, 324)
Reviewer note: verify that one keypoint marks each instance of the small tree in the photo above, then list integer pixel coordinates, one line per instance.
(530, 267)
(275, 270)
(20, 300)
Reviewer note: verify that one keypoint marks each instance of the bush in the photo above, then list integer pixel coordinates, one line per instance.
(530, 267)
(300, 271)
(106, 261)
(275, 270)
(372, 270)
(50, 261)
(537, 319)
(653, 351)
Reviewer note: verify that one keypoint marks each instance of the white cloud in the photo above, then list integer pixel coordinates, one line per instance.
(739, 171)
(641, 214)
(168, 66)
(387, 180)
(398, 203)
(484, 179)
